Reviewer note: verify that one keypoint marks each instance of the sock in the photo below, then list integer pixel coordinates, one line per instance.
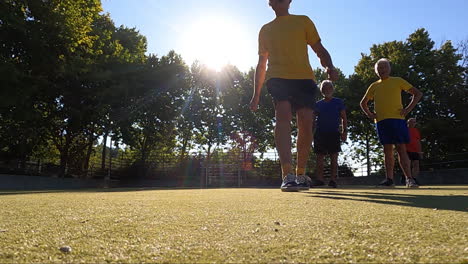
(300, 171)
(286, 169)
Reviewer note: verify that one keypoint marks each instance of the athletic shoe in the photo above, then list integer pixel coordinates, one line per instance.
(303, 182)
(317, 183)
(289, 184)
(332, 184)
(411, 183)
(417, 181)
(386, 183)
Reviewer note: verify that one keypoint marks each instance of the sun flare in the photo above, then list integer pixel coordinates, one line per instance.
(217, 41)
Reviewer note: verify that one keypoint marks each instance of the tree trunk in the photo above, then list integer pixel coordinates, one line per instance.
(103, 155)
(88, 155)
(23, 155)
(183, 150)
(208, 154)
(64, 155)
(109, 171)
(143, 170)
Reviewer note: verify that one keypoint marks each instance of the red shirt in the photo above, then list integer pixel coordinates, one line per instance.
(415, 137)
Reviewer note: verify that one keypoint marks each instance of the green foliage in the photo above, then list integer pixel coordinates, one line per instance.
(69, 76)
(40, 39)
(149, 124)
(256, 128)
(65, 57)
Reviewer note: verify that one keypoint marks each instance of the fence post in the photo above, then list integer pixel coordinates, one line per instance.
(108, 176)
(239, 179)
(206, 176)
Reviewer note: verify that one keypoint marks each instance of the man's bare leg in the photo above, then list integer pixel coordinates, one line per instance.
(304, 138)
(389, 161)
(283, 135)
(389, 166)
(404, 160)
(320, 164)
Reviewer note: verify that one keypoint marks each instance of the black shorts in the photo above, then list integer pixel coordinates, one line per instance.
(300, 93)
(414, 156)
(327, 143)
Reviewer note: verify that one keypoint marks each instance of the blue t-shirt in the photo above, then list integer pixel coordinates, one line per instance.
(328, 115)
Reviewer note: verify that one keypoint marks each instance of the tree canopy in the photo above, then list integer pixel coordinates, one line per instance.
(70, 78)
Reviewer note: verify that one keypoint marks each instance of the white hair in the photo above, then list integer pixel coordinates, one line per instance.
(379, 61)
(323, 83)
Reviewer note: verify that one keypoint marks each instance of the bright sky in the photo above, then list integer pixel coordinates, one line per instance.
(221, 31)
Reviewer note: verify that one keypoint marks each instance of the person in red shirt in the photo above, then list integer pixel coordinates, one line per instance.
(414, 148)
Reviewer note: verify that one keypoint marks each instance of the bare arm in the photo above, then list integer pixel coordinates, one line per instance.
(417, 95)
(344, 125)
(365, 108)
(325, 60)
(260, 73)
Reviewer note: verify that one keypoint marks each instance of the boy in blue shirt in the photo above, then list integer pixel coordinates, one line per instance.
(329, 114)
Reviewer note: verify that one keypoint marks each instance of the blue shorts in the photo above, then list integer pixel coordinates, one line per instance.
(392, 131)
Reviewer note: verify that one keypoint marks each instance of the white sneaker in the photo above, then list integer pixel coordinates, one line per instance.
(411, 183)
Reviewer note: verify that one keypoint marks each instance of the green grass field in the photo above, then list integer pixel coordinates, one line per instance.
(367, 225)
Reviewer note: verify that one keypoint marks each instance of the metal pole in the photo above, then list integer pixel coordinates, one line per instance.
(238, 177)
(107, 179)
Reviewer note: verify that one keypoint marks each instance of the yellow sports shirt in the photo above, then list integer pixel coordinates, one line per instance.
(285, 40)
(387, 97)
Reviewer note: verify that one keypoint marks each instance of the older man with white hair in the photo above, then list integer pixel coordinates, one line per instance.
(389, 116)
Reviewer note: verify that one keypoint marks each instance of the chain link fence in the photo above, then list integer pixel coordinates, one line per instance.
(218, 169)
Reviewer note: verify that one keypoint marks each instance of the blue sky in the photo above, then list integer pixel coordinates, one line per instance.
(347, 28)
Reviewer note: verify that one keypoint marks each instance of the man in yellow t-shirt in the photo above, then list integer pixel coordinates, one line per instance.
(283, 44)
(390, 117)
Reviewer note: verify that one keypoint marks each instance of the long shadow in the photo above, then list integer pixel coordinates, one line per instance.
(122, 189)
(441, 202)
(97, 190)
(3, 193)
(398, 188)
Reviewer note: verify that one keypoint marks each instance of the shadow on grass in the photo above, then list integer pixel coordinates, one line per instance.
(441, 202)
(375, 188)
(123, 189)
(109, 190)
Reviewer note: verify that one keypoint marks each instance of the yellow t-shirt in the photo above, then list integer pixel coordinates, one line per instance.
(387, 97)
(285, 39)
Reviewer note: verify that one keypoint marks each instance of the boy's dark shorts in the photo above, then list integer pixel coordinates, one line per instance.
(327, 143)
(392, 131)
(300, 93)
(414, 156)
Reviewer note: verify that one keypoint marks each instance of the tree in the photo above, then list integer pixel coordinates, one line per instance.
(438, 73)
(361, 130)
(213, 127)
(150, 124)
(256, 128)
(66, 59)
(38, 40)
